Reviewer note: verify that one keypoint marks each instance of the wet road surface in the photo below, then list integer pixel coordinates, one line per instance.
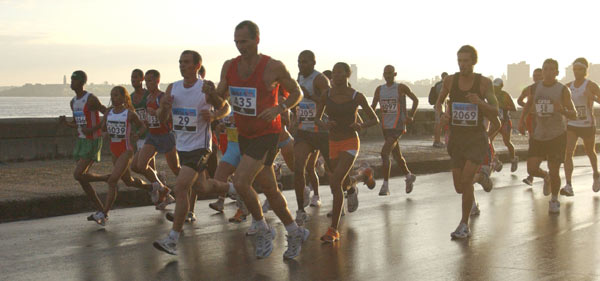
(398, 237)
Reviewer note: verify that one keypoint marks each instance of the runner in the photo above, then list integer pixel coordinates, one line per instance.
(584, 126)
(505, 106)
(159, 139)
(190, 109)
(392, 99)
(468, 143)
(252, 81)
(341, 104)
(439, 126)
(551, 103)
(139, 98)
(537, 76)
(310, 140)
(118, 123)
(86, 119)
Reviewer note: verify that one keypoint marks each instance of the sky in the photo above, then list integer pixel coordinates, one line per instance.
(40, 41)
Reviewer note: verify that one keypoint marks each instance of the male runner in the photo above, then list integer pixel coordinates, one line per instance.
(551, 102)
(471, 98)
(583, 92)
(505, 106)
(86, 119)
(191, 112)
(537, 76)
(310, 139)
(392, 99)
(438, 127)
(251, 81)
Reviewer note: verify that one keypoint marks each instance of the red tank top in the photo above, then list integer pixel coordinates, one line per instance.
(154, 125)
(249, 97)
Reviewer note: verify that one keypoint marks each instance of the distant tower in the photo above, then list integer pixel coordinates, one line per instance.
(354, 75)
(517, 77)
(64, 79)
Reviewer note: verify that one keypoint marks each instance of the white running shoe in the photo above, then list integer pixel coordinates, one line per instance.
(385, 190)
(547, 190)
(169, 200)
(295, 241)
(353, 200)
(514, 164)
(191, 217)
(301, 217)
(218, 206)
(596, 184)
(306, 196)
(484, 178)
(253, 229)
(264, 241)
(154, 193)
(410, 180)
(461, 232)
(166, 245)
(528, 180)
(554, 207)
(265, 206)
(567, 190)
(475, 209)
(315, 201)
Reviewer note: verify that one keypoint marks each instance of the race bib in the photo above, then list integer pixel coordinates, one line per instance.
(243, 100)
(464, 114)
(389, 106)
(185, 119)
(79, 118)
(581, 112)
(307, 111)
(141, 112)
(152, 121)
(544, 107)
(116, 130)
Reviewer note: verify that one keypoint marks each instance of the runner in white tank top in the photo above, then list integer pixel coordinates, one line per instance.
(392, 99)
(583, 92)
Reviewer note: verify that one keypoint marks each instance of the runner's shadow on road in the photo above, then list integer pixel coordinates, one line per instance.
(169, 272)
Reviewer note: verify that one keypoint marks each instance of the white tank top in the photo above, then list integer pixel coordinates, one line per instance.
(584, 114)
(79, 114)
(117, 126)
(307, 109)
(191, 131)
(393, 115)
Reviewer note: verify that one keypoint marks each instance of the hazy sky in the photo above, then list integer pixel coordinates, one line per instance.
(40, 41)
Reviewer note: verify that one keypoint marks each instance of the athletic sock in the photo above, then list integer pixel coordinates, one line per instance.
(174, 235)
(554, 197)
(290, 228)
(231, 189)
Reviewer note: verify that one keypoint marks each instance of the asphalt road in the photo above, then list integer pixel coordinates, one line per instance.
(398, 237)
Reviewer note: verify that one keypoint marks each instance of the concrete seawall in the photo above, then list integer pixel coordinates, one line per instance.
(26, 139)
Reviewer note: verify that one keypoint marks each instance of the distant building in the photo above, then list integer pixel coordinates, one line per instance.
(64, 79)
(354, 75)
(569, 76)
(594, 72)
(517, 78)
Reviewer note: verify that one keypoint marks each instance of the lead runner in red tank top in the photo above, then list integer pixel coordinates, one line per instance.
(251, 82)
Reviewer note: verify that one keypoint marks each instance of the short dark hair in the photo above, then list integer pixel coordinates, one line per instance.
(551, 61)
(195, 56)
(582, 61)
(469, 50)
(153, 72)
(252, 28)
(537, 69)
(345, 66)
(444, 74)
(138, 72)
(202, 71)
(79, 75)
(308, 53)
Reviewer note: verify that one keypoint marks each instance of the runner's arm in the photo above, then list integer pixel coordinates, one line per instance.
(446, 85)
(521, 99)
(526, 110)
(568, 108)
(320, 110)
(135, 120)
(321, 86)
(63, 119)
(511, 103)
(375, 98)
(221, 113)
(489, 108)
(220, 94)
(166, 103)
(95, 104)
(290, 85)
(594, 90)
(364, 104)
(412, 96)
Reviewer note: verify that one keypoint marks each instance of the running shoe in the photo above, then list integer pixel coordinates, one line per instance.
(554, 207)
(596, 184)
(438, 144)
(295, 241)
(410, 180)
(475, 209)
(265, 206)
(166, 245)
(461, 232)
(253, 229)
(154, 193)
(514, 164)
(547, 190)
(528, 180)
(301, 217)
(306, 196)
(567, 190)
(315, 201)
(385, 190)
(368, 173)
(218, 205)
(497, 165)
(169, 200)
(98, 218)
(264, 241)
(320, 169)
(238, 217)
(170, 216)
(484, 179)
(353, 200)
(330, 236)
(191, 217)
